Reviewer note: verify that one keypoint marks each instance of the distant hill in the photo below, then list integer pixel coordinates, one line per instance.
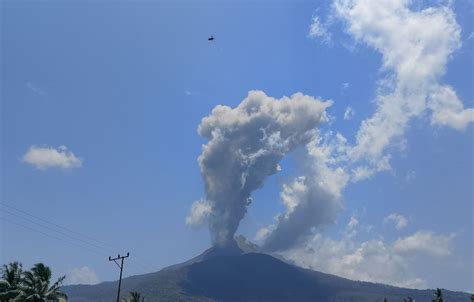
(231, 275)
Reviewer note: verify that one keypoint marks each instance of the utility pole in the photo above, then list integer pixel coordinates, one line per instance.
(121, 269)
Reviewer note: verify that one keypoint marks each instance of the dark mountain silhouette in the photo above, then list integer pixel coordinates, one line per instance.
(230, 274)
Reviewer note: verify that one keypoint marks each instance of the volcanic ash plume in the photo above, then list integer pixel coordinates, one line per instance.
(245, 146)
(312, 200)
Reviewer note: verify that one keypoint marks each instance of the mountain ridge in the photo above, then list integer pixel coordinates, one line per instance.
(235, 275)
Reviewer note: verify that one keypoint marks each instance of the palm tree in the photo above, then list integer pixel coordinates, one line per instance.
(36, 287)
(135, 297)
(11, 280)
(438, 296)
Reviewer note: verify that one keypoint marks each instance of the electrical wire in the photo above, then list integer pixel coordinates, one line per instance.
(66, 232)
(102, 254)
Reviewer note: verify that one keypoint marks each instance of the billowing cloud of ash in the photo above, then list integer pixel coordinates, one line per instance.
(245, 145)
(312, 200)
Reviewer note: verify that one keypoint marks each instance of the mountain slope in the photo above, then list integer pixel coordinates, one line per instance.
(247, 277)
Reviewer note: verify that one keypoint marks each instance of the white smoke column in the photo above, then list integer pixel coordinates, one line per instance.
(312, 200)
(245, 146)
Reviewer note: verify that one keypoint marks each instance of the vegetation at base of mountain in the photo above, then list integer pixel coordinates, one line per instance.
(29, 286)
(135, 297)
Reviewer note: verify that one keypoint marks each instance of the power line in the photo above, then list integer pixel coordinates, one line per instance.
(56, 225)
(54, 230)
(146, 265)
(48, 235)
(66, 232)
(100, 253)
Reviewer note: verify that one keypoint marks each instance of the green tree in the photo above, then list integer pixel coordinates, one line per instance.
(438, 296)
(11, 280)
(35, 286)
(135, 297)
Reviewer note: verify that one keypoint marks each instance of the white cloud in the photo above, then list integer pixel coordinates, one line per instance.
(448, 110)
(415, 48)
(82, 275)
(318, 30)
(425, 242)
(349, 113)
(397, 219)
(366, 171)
(50, 157)
(198, 213)
(372, 260)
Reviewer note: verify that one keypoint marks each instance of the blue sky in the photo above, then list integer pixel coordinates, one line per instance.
(124, 87)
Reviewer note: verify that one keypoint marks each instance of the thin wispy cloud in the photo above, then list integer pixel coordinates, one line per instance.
(319, 31)
(398, 220)
(348, 113)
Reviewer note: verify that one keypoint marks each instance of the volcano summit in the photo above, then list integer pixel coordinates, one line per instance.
(238, 273)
